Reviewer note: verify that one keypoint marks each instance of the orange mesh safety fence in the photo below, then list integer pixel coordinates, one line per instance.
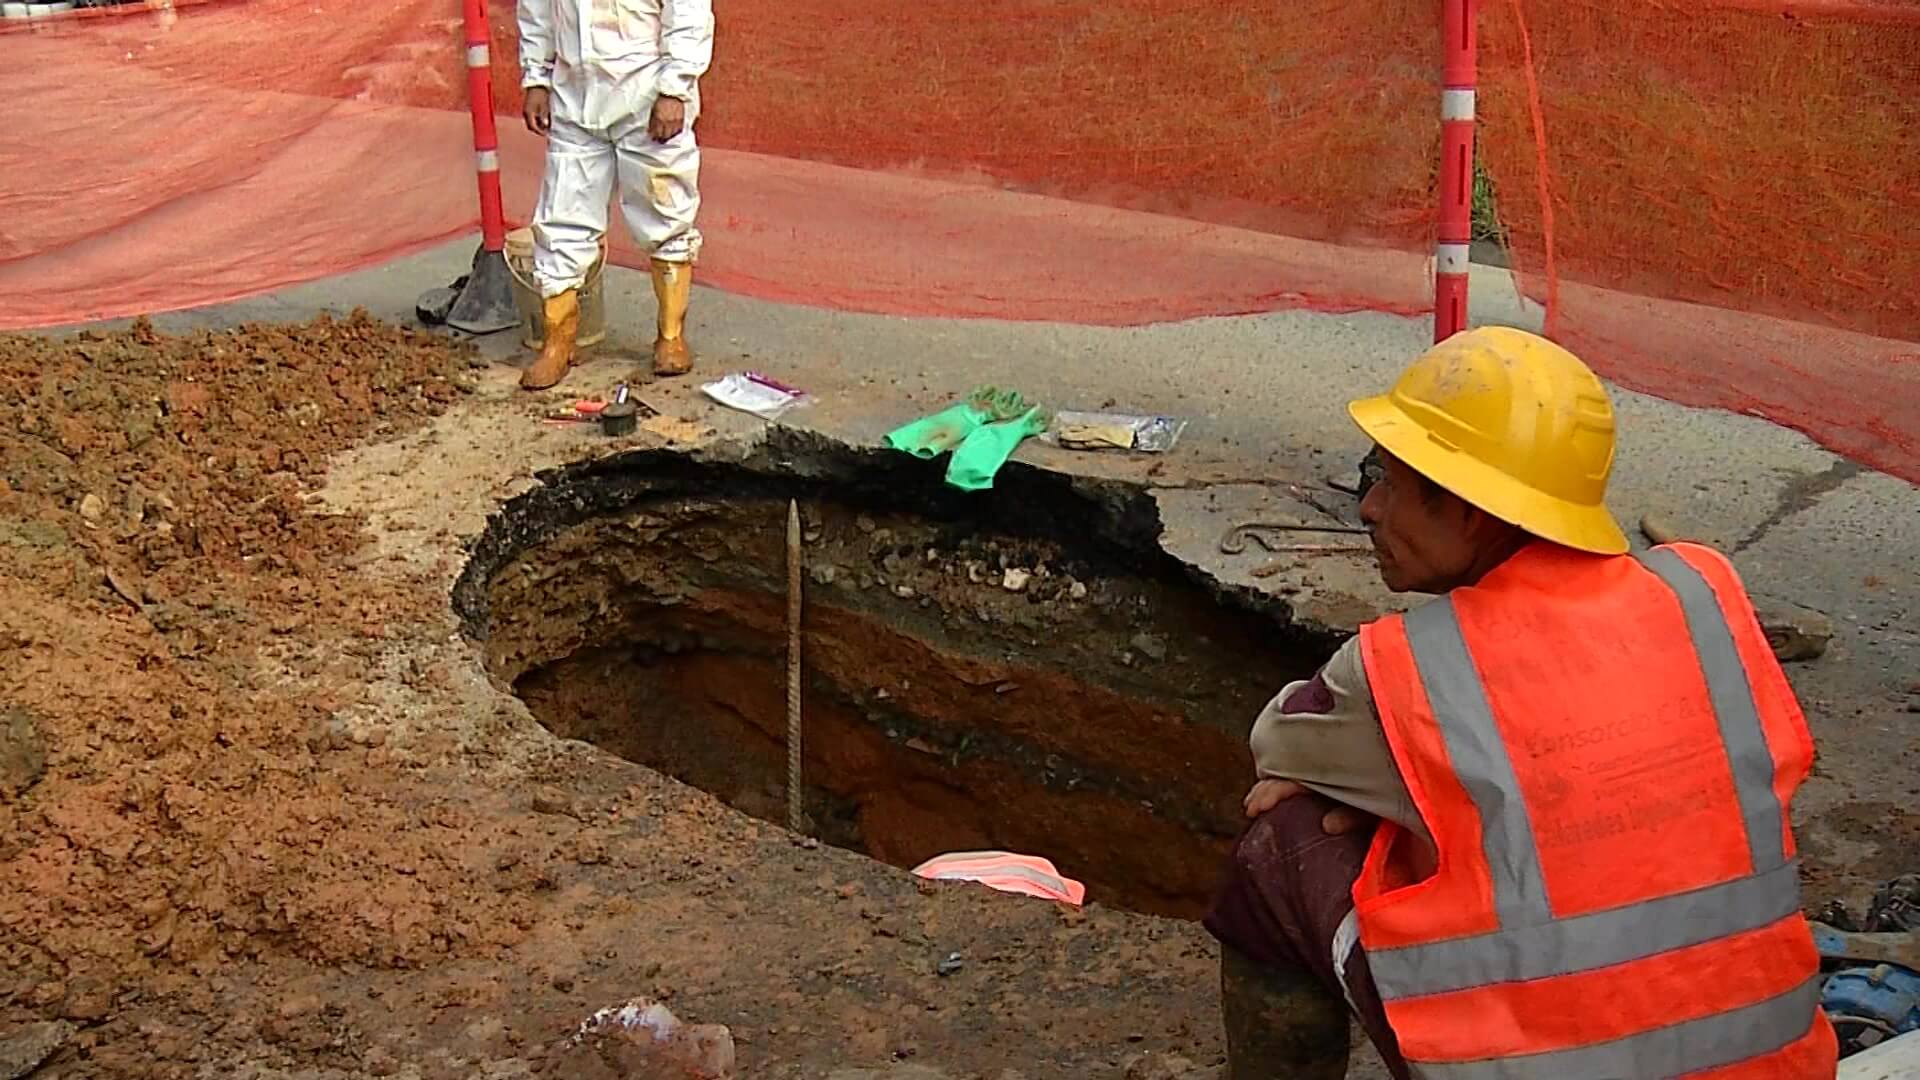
(1214, 159)
(1720, 201)
(1729, 192)
(1078, 160)
(1314, 120)
(154, 161)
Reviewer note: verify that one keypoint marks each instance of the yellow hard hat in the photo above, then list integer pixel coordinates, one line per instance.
(1513, 424)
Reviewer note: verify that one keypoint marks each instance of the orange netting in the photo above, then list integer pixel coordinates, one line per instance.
(1719, 200)
(1732, 201)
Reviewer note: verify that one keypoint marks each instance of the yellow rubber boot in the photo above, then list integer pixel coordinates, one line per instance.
(673, 288)
(562, 318)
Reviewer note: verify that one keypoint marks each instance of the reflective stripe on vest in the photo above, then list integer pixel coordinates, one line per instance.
(1530, 942)
(1693, 1046)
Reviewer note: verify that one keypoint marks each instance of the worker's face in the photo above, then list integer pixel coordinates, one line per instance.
(1424, 538)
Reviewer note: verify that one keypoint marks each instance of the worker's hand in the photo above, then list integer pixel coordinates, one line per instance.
(538, 110)
(669, 119)
(1268, 794)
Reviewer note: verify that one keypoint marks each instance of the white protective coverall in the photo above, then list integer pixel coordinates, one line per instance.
(605, 62)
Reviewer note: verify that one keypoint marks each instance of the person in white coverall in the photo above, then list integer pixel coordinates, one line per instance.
(614, 85)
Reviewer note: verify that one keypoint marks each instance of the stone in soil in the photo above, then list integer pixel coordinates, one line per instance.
(24, 1049)
(23, 752)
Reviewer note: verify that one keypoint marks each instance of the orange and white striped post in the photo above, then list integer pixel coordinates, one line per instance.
(486, 137)
(1454, 237)
(485, 303)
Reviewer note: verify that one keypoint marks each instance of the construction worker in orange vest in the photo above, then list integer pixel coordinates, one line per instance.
(1537, 829)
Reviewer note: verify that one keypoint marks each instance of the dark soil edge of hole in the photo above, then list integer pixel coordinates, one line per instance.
(1111, 520)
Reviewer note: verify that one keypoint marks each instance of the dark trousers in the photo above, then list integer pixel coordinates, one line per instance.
(1289, 885)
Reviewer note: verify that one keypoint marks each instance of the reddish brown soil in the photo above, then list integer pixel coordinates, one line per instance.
(912, 752)
(154, 539)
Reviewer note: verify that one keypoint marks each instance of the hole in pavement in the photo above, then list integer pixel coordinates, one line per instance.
(1023, 670)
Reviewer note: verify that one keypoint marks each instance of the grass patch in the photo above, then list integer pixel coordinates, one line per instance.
(1486, 209)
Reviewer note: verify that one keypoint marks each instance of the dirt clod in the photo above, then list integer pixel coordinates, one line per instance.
(23, 1049)
(88, 1000)
(1151, 646)
(552, 801)
(642, 1038)
(23, 753)
(1168, 1067)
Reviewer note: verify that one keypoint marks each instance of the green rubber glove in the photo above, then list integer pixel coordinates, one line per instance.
(981, 455)
(931, 436)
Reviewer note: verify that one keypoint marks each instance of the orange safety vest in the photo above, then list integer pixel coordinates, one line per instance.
(1604, 749)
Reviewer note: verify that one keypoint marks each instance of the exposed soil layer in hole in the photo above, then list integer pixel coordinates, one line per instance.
(1035, 681)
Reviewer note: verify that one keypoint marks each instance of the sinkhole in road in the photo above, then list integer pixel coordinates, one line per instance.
(1024, 670)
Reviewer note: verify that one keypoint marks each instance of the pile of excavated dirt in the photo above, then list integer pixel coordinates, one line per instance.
(163, 807)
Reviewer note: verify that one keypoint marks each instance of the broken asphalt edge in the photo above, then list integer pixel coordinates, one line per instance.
(1121, 519)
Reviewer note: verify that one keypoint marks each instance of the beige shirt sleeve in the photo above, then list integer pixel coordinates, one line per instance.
(1341, 753)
